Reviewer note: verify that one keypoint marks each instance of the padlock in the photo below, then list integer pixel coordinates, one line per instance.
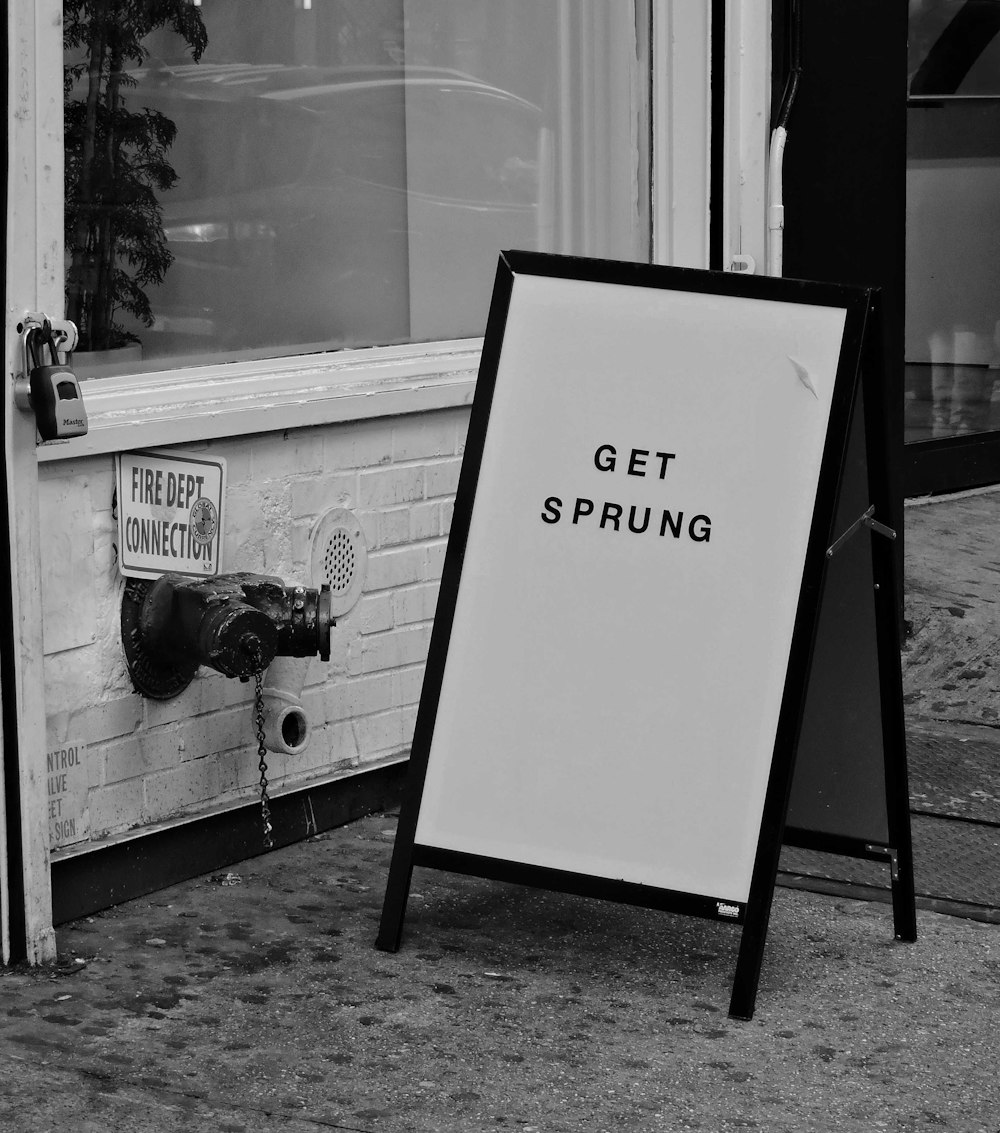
(55, 394)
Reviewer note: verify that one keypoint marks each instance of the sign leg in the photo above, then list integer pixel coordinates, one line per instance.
(397, 891)
(888, 635)
(904, 905)
(758, 914)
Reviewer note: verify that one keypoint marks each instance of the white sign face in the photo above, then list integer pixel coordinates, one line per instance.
(630, 582)
(170, 510)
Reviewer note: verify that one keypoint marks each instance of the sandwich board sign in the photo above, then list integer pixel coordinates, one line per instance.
(620, 658)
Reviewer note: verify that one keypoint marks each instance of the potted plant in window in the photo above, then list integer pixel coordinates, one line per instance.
(116, 163)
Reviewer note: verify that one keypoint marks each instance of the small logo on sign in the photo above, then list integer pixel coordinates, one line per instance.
(204, 521)
(725, 910)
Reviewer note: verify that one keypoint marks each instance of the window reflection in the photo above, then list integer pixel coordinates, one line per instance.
(953, 219)
(347, 171)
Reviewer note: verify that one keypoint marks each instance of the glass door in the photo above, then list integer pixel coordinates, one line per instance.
(952, 321)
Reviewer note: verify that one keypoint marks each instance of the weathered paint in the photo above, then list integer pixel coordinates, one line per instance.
(35, 275)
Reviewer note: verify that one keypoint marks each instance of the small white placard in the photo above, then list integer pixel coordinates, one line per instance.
(67, 793)
(170, 511)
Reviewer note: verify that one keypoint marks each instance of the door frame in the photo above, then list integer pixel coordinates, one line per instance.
(33, 282)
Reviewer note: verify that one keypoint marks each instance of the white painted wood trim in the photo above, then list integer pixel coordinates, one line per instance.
(681, 131)
(34, 281)
(747, 114)
(180, 406)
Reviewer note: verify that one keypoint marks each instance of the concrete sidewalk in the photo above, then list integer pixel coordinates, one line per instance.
(951, 659)
(255, 1001)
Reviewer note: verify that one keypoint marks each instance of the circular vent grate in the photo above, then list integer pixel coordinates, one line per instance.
(339, 558)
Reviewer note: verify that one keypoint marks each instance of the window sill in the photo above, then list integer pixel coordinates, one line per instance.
(198, 404)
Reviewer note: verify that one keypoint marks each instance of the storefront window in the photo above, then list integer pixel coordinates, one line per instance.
(953, 219)
(255, 178)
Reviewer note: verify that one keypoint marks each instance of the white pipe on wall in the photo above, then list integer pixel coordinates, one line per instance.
(775, 202)
(286, 724)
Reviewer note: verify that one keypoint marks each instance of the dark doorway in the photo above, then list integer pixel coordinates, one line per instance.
(892, 178)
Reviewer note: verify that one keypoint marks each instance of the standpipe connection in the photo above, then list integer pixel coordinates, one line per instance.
(237, 624)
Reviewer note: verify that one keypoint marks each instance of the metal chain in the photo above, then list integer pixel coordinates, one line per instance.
(265, 808)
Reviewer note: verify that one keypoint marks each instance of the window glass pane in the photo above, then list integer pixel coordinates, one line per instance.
(953, 219)
(954, 48)
(253, 178)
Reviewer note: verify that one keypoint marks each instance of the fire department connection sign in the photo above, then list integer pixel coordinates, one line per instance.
(169, 514)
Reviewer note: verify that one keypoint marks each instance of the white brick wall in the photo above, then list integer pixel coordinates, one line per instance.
(145, 761)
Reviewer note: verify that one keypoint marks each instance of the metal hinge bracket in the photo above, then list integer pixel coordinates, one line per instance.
(888, 852)
(866, 520)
